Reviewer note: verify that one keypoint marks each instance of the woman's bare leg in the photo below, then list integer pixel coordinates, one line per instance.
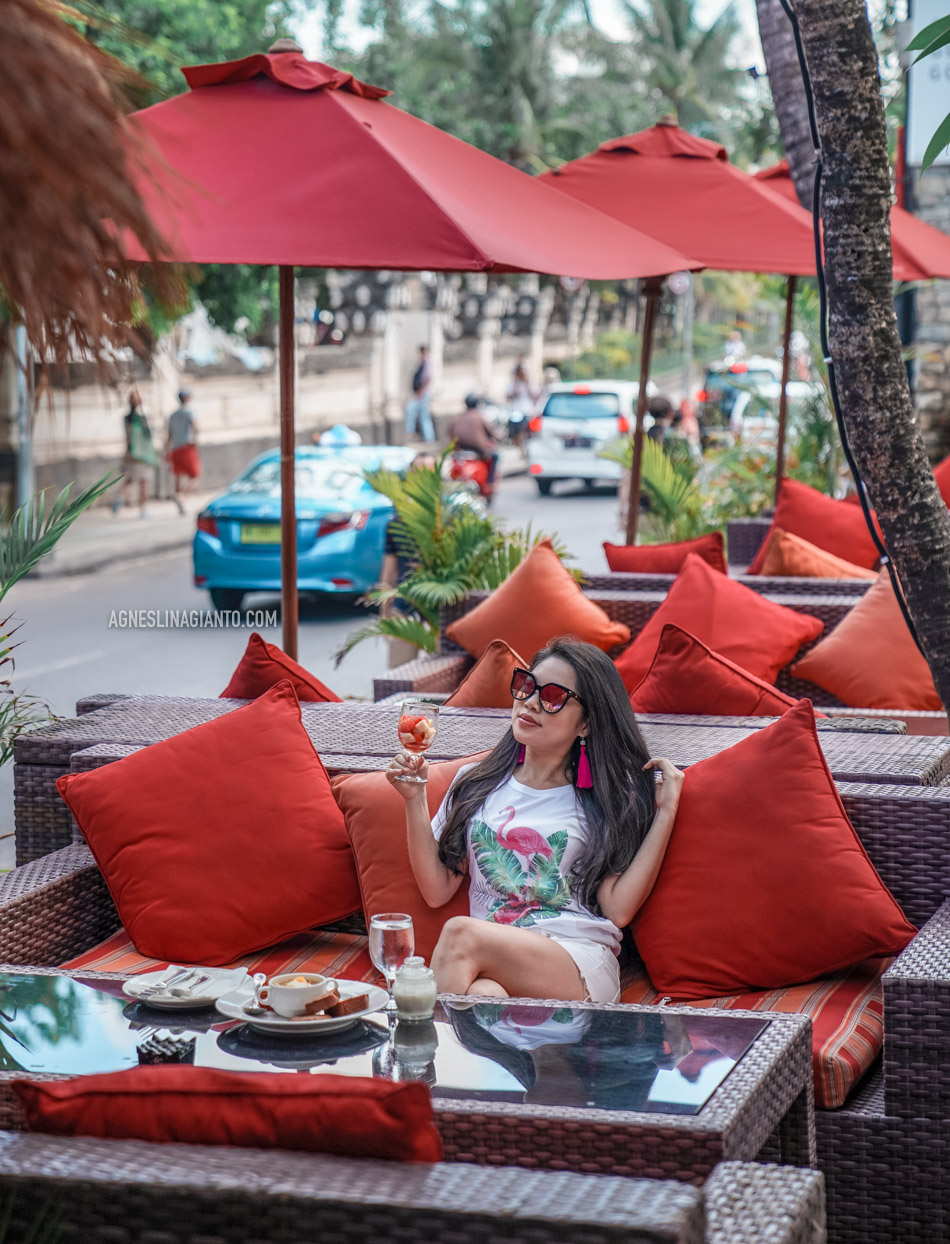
(518, 962)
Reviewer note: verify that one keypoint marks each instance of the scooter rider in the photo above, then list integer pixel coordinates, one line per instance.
(470, 432)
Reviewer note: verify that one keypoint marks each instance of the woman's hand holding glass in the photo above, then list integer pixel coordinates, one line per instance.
(405, 765)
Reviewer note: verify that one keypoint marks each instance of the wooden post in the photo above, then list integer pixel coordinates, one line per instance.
(651, 288)
(783, 397)
(288, 493)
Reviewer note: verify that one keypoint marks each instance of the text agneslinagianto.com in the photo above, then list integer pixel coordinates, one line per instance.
(189, 619)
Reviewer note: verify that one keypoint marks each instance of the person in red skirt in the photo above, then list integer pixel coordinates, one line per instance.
(181, 449)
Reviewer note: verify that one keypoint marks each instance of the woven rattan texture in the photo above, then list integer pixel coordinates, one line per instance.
(54, 908)
(89, 703)
(763, 1203)
(348, 738)
(744, 538)
(765, 585)
(130, 1192)
(917, 994)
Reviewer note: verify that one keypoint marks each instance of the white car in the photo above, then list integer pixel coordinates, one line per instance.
(577, 421)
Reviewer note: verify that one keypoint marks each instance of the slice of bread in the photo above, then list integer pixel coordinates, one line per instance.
(323, 1003)
(347, 1006)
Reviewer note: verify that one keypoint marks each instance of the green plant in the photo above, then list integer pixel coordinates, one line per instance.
(452, 548)
(32, 533)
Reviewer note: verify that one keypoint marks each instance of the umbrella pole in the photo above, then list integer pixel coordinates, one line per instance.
(652, 289)
(783, 397)
(288, 496)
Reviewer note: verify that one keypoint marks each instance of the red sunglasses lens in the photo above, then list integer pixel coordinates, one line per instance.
(522, 685)
(553, 697)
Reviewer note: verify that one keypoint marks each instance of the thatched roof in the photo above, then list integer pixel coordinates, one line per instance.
(64, 155)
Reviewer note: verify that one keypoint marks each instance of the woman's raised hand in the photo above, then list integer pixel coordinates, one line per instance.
(403, 763)
(668, 785)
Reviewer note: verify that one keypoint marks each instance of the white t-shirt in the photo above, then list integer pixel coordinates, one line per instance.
(522, 846)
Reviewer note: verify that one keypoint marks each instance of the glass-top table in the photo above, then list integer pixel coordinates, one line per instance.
(557, 1055)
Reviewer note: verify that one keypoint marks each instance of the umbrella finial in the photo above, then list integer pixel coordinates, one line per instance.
(668, 118)
(285, 45)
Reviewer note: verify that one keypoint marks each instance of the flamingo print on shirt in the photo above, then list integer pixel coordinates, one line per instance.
(523, 869)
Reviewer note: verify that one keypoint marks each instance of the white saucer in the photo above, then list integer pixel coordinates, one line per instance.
(223, 980)
(232, 1005)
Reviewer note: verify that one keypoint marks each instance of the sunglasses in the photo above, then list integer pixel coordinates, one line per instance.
(552, 696)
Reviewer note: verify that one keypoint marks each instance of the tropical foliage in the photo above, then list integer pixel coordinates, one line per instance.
(930, 40)
(32, 533)
(452, 548)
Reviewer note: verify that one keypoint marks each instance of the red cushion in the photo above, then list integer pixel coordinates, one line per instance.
(221, 839)
(870, 659)
(666, 558)
(376, 822)
(347, 1115)
(739, 624)
(688, 677)
(832, 525)
(764, 883)
(538, 600)
(847, 1022)
(488, 683)
(264, 665)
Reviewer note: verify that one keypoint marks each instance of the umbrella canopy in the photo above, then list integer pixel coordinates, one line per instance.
(920, 250)
(684, 191)
(276, 159)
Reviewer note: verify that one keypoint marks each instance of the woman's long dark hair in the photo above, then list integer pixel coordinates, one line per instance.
(618, 807)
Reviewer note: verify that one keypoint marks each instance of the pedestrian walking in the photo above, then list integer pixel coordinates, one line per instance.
(417, 408)
(181, 449)
(140, 458)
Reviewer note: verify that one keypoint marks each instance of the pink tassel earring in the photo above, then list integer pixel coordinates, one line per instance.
(584, 779)
(521, 754)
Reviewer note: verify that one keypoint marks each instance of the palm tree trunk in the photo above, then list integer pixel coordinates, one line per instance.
(788, 95)
(872, 382)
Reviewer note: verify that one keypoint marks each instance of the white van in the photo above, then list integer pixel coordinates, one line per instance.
(577, 421)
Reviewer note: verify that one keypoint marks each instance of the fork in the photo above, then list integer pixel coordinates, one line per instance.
(163, 986)
(191, 989)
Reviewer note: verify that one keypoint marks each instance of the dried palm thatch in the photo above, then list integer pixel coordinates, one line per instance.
(66, 192)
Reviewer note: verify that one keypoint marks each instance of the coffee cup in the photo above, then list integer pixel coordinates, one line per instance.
(289, 994)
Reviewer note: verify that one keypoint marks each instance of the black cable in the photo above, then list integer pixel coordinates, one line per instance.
(823, 328)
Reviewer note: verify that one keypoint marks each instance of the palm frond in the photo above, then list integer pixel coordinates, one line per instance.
(398, 626)
(32, 532)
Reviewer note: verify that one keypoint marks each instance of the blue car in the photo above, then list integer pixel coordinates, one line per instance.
(341, 525)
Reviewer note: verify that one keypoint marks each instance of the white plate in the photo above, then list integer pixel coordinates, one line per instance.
(223, 980)
(232, 1005)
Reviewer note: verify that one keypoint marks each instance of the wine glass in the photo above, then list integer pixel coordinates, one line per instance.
(391, 942)
(418, 723)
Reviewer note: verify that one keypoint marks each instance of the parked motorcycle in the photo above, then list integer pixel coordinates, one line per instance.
(468, 467)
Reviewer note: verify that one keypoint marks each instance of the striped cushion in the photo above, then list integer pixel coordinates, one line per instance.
(847, 1015)
(333, 954)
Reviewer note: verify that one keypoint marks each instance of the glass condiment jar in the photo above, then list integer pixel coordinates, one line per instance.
(415, 990)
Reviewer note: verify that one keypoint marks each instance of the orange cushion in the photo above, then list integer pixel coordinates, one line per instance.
(330, 953)
(688, 677)
(376, 822)
(847, 1018)
(354, 1116)
(666, 558)
(739, 624)
(832, 525)
(487, 684)
(790, 555)
(538, 600)
(221, 839)
(870, 660)
(264, 665)
(764, 883)
(942, 476)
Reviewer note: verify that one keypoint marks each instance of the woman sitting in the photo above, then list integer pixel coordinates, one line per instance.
(560, 829)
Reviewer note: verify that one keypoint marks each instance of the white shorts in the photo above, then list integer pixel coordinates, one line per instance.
(597, 964)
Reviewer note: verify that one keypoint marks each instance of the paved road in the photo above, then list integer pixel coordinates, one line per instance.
(69, 649)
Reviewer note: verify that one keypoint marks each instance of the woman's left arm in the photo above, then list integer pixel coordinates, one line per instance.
(622, 895)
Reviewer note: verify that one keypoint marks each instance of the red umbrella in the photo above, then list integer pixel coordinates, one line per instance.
(684, 191)
(277, 159)
(920, 250)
